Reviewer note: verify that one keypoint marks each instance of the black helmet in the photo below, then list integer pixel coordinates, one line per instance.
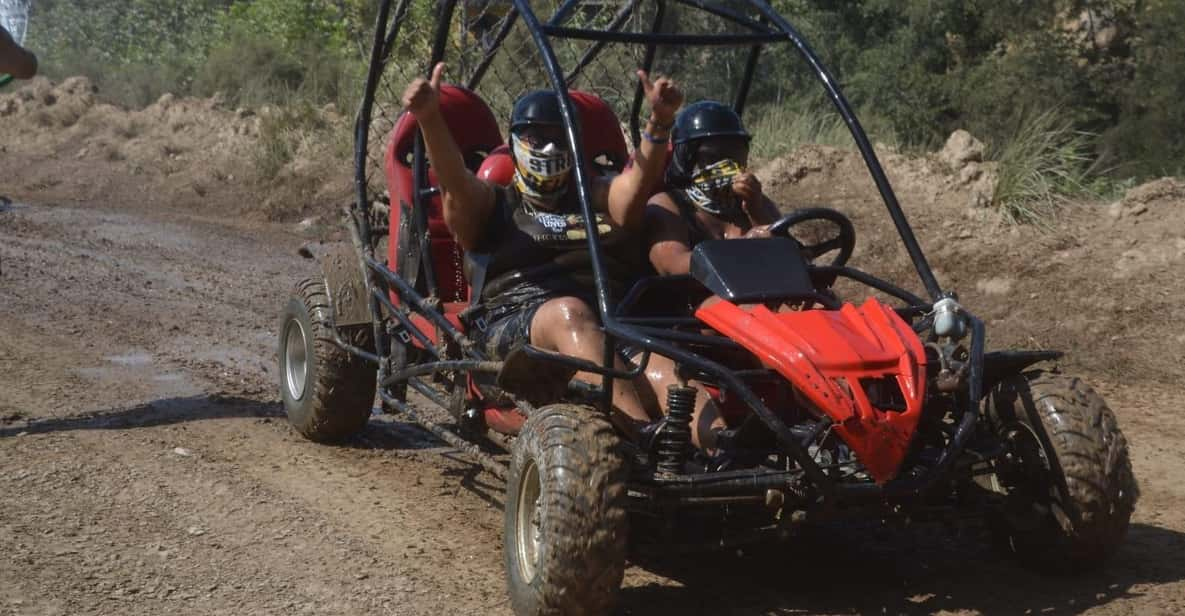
(707, 119)
(696, 122)
(538, 107)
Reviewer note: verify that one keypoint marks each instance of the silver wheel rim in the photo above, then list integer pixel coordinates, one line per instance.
(296, 365)
(527, 525)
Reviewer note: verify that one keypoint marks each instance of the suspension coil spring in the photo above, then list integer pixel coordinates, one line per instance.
(674, 439)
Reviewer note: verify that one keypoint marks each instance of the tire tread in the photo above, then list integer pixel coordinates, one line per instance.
(583, 478)
(1089, 453)
(343, 387)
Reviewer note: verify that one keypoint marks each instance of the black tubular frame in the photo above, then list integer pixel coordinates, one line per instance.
(651, 335)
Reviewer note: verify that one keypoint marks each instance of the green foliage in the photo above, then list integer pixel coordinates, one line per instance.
(124, 33)
(253, 51)
(254, 70)
(1043, 164)
(280, 133)
(130, 49)
(1147, 139)
(917, 69)
(779, 129)
(331, 26)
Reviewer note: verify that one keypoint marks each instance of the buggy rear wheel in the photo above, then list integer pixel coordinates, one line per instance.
(328, 393)
(1067, 481)
(565, 515)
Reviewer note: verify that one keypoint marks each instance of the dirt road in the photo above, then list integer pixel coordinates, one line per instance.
(146, 467)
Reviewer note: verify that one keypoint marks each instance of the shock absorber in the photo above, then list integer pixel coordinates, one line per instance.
(674, 439)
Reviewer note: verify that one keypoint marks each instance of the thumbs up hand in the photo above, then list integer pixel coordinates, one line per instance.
(422, 96)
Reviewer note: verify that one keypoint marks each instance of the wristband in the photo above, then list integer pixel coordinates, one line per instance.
(656, 140)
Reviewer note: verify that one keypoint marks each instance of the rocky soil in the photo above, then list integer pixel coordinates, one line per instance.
(146, 467)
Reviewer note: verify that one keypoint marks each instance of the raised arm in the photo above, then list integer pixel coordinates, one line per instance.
(629, 191)
(467, 201)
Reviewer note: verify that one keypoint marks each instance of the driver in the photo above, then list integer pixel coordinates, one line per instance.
(710, 192)
(537, 288)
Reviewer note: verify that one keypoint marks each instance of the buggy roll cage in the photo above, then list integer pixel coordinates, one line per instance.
(770, 27)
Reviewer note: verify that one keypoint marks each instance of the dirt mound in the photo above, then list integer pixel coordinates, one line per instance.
(1157, 193)
(189, 149)
(1100, 282)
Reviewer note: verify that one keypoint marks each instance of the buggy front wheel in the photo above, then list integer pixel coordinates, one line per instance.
(328, 393)
(565, 526)
(1067, 481)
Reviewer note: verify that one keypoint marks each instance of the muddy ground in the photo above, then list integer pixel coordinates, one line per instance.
(146, 466)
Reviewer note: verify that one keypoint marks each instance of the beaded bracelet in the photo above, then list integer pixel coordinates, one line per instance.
(656, 140)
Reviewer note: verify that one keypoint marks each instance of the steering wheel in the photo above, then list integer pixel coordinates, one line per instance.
(844, 241)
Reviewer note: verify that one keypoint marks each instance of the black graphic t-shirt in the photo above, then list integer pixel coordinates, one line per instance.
(528, 254)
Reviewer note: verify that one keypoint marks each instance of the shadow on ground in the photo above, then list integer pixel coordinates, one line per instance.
(380, 433)
(161, 412)
(912, 573)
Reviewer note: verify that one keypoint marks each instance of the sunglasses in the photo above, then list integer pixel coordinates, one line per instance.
(539, 136)
(715, 150)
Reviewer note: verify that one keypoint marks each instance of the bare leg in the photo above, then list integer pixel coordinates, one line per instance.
(568, 325)
(705, 420)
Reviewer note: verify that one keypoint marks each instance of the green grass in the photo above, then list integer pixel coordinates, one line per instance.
(778, 130)
(281, 132)
(297, 129)
(1044, 165)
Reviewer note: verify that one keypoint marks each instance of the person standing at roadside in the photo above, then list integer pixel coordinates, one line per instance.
(14, 59)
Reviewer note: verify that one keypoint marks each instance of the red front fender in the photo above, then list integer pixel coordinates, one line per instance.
(825, 354)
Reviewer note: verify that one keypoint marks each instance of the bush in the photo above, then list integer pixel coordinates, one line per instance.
(280, 134)
(918, 68)
(252, 71)
(1043, 164)
(134, 51)
(1147, 139)
(254, 52)
(779, 129)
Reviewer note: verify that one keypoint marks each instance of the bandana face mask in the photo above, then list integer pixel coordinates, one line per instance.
(711, 188)
(540, 171)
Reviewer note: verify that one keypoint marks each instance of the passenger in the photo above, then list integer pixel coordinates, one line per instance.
(710, 195)
(536, 288)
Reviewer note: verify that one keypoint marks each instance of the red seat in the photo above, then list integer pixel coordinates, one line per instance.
(604, 143)
(475, 130)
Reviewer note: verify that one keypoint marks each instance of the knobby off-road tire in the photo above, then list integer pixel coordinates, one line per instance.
(566, 524)
(328, 393)
(1070, 489)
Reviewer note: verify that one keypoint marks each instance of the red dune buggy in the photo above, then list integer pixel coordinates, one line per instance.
(888, 407)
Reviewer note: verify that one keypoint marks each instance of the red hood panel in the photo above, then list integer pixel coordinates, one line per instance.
(825, 353)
